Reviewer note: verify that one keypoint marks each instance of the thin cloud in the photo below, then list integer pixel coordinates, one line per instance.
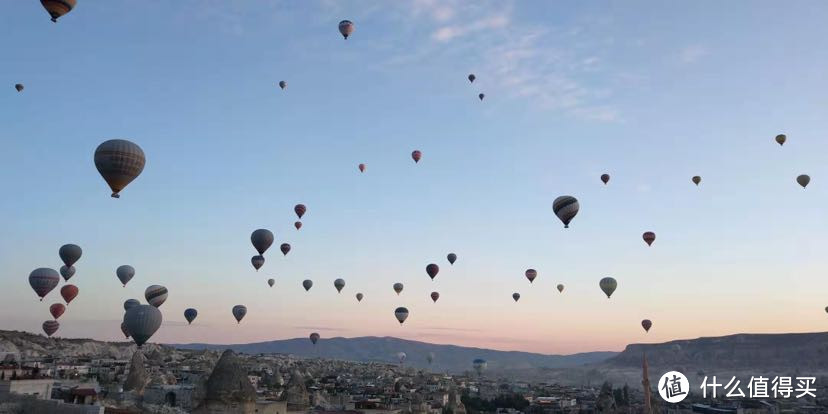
(692, 54)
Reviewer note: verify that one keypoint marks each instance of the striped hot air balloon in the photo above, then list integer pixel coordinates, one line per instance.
(43, 280)
(238, 312)
(119, 162)
(346, 27)
(401, 314)
(566, 208)
(142, 322)
(156, 295)
(50, 327)
(58, 8)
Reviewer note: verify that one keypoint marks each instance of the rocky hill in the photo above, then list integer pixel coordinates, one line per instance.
(30, 345)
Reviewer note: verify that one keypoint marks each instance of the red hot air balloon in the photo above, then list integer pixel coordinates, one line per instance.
(362, 168)
(298, 225)
(646, 324)
(435, 296)
(416, 155)
(432, 270)
(346, 27)
(649, 238)
(605, 178)
(69, 292)
(57, 309)
(531, 274)
(300, 210)
(50, 327)
(285, 248)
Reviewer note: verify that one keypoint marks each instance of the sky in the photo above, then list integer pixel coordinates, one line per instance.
(649, 92)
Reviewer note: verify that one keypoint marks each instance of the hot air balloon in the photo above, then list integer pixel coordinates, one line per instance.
(416, 155)
(261, 239)
(142, 322)
(156, 295)
(285, 248)
(314, 337)
(58, 8)
(67, 272)
(435, 296)
(119, 162)
(300, 210)
(271, 282)
(346, 27)
(124, 329)
(696, 180)
(56, 310)
(257, 262)
(19, 87)
(359, 297)
(608, 285)
(238, 312)
(50, 327)
(516, 296)
(401, 313)
(531, 274)
(646, 324)
(432, 270)
(398, 287)
(780, 139)
(565, 207)
(451, 258)
(472, 77)
(297, 224)
(803, 180)
(361, 168)
(826, 309)
(481, 96)
(190, 315)
(649, 237)
(401, 357)
(283, 84)
(70, 254)
(43, 280)
(430, 357)
(605, 178)
(480, 365)
(129, 303)
(560, 288)
(125, 273)
(307, 284)
(69, 293)
(339, 284)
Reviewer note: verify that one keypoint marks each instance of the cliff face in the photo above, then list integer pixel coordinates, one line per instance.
(31, 345)
(742, 351)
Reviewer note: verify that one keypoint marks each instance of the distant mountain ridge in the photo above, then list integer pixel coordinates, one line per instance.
(450, 358)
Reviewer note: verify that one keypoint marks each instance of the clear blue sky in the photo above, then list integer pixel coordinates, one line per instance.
(650, 92)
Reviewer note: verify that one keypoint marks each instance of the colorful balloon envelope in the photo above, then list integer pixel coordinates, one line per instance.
(401, 314)
(346, 27)
(361, 168)
(58, 8)
(285, 248)
(50, 327)
(780, 139)
(56, 310)
(239, 311)
(531, 274)
(416, 155)
(432, 270)
(649, 237)
(605, 178)
(119, 162)
(156, 295)
(300, 210)
(69, 293)
(43, 280)
(435, 296)
(646, 324)
(696, 180)
(261, 239)
(566, 208)
(297, 224)
(190, 314)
